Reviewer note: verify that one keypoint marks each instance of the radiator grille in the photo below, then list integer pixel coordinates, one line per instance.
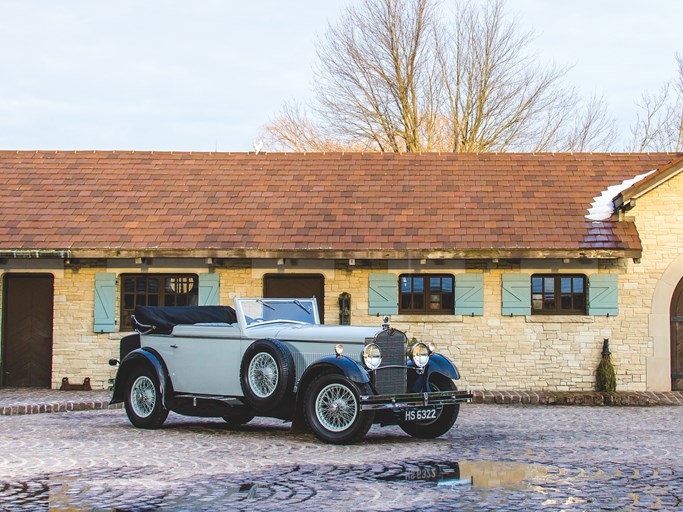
(390, 381)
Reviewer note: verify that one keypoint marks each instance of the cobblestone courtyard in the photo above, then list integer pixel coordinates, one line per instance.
(499, 457)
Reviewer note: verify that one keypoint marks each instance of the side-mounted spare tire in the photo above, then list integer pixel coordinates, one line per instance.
(267, 375)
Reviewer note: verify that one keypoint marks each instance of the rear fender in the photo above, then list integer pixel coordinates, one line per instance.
(142, 357)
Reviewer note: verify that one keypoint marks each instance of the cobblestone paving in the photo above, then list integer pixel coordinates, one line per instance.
(499, 457)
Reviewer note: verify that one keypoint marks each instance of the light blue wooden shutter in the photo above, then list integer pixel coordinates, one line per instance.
(516, 294)
(209, 289)
(105, 302)
(469, 294)
(383, 294)
(603, 294)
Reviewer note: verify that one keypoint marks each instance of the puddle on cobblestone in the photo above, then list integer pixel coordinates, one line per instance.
(123, 489)
(482, 474)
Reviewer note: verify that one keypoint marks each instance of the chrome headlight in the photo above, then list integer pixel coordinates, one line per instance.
(419, 355)
(372, 356)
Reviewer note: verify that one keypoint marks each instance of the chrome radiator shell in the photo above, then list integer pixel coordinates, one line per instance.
(392, 375)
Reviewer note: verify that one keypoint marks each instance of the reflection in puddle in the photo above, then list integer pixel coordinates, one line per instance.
(481, 474)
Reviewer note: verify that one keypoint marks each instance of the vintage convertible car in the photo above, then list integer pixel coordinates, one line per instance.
(272, 357)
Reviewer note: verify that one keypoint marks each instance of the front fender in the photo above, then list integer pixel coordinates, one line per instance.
(141, 357)
(343, 365)
(438, 364)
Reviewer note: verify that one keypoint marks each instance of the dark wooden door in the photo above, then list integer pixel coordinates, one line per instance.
(677, 339)
(296, 286)
(27, 331)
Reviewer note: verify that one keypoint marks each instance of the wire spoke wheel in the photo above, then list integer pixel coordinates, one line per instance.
(263, 375)
(336, 407)
(143, 396)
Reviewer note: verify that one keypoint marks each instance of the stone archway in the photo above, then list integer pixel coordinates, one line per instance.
(677, 338)
(659, 364)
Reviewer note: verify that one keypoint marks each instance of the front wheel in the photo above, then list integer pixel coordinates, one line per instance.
(445, 418)
(332, 410)
(143, 400)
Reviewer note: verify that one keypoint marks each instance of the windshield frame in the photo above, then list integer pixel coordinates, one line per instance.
(242, 307)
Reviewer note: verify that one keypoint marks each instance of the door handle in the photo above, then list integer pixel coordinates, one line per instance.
(174, 346)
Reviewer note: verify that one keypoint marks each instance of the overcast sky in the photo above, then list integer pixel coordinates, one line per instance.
(207, 74)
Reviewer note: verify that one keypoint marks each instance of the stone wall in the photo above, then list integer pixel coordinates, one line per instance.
(649, 285)
(553, 353)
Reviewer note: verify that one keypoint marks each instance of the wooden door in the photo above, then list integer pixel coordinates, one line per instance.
(296, 286)
(677, 339)
(27, 331)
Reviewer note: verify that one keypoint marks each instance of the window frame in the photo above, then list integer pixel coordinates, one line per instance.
(425, 295)
(557, 295)
(124, 313)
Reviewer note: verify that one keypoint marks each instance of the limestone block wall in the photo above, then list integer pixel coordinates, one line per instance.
(649, 285)
(492, 352)
(558, 353)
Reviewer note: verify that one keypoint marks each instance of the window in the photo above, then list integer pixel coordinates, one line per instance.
(156, 290)
(558, 294)
(426, 293)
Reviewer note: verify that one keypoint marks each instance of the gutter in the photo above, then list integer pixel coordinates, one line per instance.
(36, 254)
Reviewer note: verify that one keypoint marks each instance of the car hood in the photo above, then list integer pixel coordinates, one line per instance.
(333, 333)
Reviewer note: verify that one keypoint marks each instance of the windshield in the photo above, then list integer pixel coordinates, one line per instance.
(258, 311)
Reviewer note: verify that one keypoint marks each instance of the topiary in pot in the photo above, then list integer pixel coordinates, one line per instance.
(605, 377)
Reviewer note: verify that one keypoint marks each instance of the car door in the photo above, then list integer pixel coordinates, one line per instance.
(203, 365)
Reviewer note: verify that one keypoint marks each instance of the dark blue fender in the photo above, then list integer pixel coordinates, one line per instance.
(437, 364)
(141, 357)
(343, 365)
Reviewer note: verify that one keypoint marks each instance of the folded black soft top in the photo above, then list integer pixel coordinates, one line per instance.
(164, 318)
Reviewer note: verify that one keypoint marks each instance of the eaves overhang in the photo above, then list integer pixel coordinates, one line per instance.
(367, 254)
(628, 197)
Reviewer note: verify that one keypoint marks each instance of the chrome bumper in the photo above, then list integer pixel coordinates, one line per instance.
(410, 400)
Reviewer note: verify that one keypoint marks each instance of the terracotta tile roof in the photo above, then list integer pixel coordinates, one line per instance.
(245, 204)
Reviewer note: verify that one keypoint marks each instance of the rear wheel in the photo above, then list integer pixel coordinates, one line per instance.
(143, 400)
(332, 409)
(445, 418)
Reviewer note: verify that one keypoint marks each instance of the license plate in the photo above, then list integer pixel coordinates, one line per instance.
(422, 414)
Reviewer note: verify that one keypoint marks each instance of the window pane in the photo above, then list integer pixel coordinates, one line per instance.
(406, 284)
(152, 285)
(418, 302)
(580, 301)
(406, 301)
(447, 301)
(537, 284)
(566, 301)
(418, 284)
(435, 284)
(549, 301)
(549, 284)
(447, 284)
(537, 301)
(578, 285)
(566, 286)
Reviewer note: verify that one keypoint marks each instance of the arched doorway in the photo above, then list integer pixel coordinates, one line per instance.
(676, 315)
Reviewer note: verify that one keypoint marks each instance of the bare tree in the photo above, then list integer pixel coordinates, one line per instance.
(405, 75)
(659, 127)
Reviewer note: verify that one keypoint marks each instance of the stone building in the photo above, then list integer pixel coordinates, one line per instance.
(490, 256)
